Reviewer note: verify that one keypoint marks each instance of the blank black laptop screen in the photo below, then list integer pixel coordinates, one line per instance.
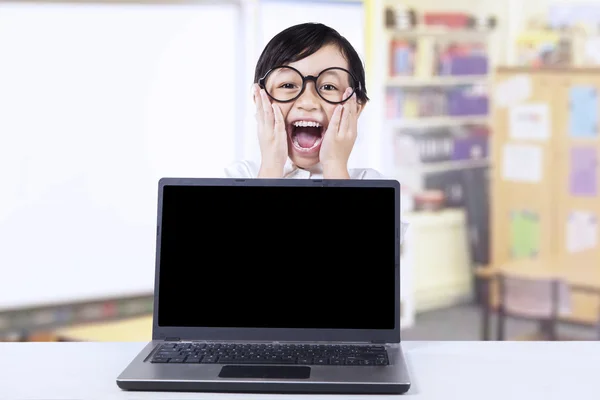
(277, 257)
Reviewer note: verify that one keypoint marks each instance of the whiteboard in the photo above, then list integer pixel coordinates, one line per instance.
(97, 102)
(345, 17)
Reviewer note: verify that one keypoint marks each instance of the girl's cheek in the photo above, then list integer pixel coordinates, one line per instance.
(330, 111)
(285, 109)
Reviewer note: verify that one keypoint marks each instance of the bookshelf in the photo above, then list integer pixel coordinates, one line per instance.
(436, 93)
(432, 71)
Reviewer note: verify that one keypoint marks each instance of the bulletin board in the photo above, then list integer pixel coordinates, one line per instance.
(522, 177)
(545, 189)
(579, 199)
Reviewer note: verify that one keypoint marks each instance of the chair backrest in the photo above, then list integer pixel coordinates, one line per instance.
(534, 297)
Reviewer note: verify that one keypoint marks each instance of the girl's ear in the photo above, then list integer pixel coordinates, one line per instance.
(255, 90)
(361, 107)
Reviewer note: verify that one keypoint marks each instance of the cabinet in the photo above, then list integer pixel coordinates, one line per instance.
(439, 259)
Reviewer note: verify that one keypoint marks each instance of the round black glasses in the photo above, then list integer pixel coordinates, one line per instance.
(285, 84)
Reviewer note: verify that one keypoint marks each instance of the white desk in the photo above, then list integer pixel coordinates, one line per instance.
(441, 370)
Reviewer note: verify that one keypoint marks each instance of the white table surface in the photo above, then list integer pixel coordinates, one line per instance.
(440, 370)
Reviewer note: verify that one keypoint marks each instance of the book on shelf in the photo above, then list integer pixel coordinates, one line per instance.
(427, 57)
(426, 146)
(452, 101)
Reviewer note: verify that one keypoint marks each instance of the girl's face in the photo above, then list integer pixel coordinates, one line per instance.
(304, 145)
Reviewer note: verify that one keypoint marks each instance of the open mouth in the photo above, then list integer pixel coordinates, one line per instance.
(306, 135)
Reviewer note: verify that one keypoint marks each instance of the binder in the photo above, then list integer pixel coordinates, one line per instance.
(429, 145)
(476, 184)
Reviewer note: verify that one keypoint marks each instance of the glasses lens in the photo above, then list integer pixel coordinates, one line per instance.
(283, 84)
(332, 84)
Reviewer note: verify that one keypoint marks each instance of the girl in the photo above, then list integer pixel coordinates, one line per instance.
(309, 90)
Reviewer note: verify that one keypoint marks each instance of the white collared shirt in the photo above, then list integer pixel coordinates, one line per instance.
(249, 169)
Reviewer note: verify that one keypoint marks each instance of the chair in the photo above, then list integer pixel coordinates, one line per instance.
(532, 298)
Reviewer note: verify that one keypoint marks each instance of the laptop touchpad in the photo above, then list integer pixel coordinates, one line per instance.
(265, 372)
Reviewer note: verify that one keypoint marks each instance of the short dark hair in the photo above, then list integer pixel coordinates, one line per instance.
(300, 41)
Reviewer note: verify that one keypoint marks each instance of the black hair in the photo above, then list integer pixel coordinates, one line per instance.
(300, 41)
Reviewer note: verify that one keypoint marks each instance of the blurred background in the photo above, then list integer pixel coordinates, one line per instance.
(485, 111)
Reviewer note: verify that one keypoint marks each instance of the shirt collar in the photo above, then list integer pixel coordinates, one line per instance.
(291, 170)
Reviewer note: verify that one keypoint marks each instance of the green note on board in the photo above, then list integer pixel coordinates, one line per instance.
(524, 234)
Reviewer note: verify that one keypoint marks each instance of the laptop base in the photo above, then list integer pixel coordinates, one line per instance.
(264, 387)
(143, 375)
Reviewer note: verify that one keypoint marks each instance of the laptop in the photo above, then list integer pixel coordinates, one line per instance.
(275, 286)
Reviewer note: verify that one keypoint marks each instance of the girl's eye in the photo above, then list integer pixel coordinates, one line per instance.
(288, 86)
(328, 87)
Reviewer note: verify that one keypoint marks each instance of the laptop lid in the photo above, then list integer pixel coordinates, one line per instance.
(278, 260)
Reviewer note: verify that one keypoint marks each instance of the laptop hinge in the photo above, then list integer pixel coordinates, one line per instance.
(378, 341)
(172, 339)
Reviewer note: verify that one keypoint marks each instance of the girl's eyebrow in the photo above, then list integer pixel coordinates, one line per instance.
(316, 74)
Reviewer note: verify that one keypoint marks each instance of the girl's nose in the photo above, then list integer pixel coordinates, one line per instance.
(309, 100)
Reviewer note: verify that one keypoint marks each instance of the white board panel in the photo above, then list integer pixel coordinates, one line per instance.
(98, 102)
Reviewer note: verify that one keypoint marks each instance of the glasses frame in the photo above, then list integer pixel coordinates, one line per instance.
(309, 78)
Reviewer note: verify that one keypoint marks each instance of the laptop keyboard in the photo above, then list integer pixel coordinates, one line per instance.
(307, 354)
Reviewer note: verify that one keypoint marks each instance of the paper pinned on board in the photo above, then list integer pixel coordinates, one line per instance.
(512, 91)
(522, 163)
(584, 118)
(530, 122)
(525, 234)
(581, 232)
(583, 174)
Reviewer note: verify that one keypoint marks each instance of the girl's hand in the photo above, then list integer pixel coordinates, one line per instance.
(272, 136)
(339, 139)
